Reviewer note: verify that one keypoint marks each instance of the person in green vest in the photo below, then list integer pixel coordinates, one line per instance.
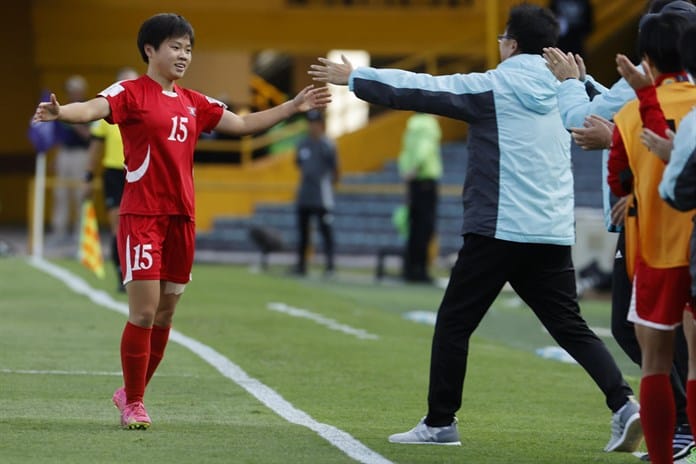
(420, 165)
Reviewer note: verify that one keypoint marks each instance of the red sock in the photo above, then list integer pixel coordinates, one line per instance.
(158, 342)
(135, 354)
(658, 416)
(691, 404)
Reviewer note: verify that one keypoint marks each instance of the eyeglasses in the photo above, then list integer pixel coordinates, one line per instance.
(503, 36)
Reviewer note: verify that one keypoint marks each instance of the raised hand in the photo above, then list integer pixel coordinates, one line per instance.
(47, 111)
(311, 98)
(635, 78)
(331, 72)
(582, 69)
(562, 65)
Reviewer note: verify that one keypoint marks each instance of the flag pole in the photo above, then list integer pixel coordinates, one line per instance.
(39, 200)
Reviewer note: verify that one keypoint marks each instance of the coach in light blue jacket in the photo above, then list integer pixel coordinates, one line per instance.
(519, 183)
(518, 214)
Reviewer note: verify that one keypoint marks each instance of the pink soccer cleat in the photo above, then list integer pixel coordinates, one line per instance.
(119, 399)
(134, 416)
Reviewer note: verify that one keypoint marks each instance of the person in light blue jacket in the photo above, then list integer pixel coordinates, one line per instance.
(518, 223)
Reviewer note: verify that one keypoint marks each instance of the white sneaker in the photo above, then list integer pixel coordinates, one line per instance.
(423, 434)
(690, 459)
(626, 430)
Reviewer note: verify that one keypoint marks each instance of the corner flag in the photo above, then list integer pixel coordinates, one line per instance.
(89, 252)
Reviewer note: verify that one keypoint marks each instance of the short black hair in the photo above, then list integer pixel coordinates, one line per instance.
(533, 27)
(655, 6)
(687, 49)
(659, 40)
(161, 27)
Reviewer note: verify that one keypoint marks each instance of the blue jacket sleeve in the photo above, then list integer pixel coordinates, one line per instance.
(575, 105)
(678, 185)
(466, 97)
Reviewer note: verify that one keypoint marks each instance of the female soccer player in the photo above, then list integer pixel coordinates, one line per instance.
(160, 123)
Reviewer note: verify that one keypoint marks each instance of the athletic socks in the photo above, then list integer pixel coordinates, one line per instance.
(135, 356)
(158, 342)
(658, 416)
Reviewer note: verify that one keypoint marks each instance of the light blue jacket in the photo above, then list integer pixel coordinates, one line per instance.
(678, 185)
(575, 105)
(518, 185)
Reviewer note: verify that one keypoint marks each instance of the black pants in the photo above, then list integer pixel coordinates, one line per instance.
(324, 219)
(422, 214)
(625, 334)
(544, 277)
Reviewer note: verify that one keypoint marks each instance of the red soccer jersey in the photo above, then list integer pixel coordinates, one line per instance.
(159, 131)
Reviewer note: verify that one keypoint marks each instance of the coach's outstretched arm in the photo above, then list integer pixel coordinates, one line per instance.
(332, 72)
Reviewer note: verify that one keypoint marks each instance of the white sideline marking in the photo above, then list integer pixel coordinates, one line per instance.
(428, 317)
(422, 317)
(90, 373)
(54, 372)
(602, 332)
(336, 437)
(319, 319)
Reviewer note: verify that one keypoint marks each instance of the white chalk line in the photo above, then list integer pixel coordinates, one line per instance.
(319, 319)
(59, 372)
(79, 373)
(429, 317)
(266, 395)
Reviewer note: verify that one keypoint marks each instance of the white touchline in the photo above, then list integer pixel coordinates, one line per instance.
(77, 372)
(319, 319)
(338, 438)
(429, 317)
(55, 372)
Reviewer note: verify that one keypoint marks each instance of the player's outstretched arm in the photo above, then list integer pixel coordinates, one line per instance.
(307, 99)
(331, 72)
(75, 113)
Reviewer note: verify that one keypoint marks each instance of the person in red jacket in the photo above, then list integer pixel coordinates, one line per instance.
(657, 236)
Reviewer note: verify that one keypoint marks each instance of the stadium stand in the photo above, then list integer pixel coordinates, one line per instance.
(364, 220)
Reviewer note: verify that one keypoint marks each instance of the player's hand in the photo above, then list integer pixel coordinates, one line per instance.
(596, 133)
(47, 111)
(311, 98)
(582, 69)
(618, 211)
(661, 146)
(331, 72)
(562, 65)
(636, 79)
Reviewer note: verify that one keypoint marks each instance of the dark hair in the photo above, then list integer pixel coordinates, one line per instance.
(659, 40)
(687, 49)
(655, 6)
(161, 27)
(533, 27)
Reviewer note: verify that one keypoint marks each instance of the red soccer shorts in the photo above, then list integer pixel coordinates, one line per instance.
(660, 296)
(156, 248)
